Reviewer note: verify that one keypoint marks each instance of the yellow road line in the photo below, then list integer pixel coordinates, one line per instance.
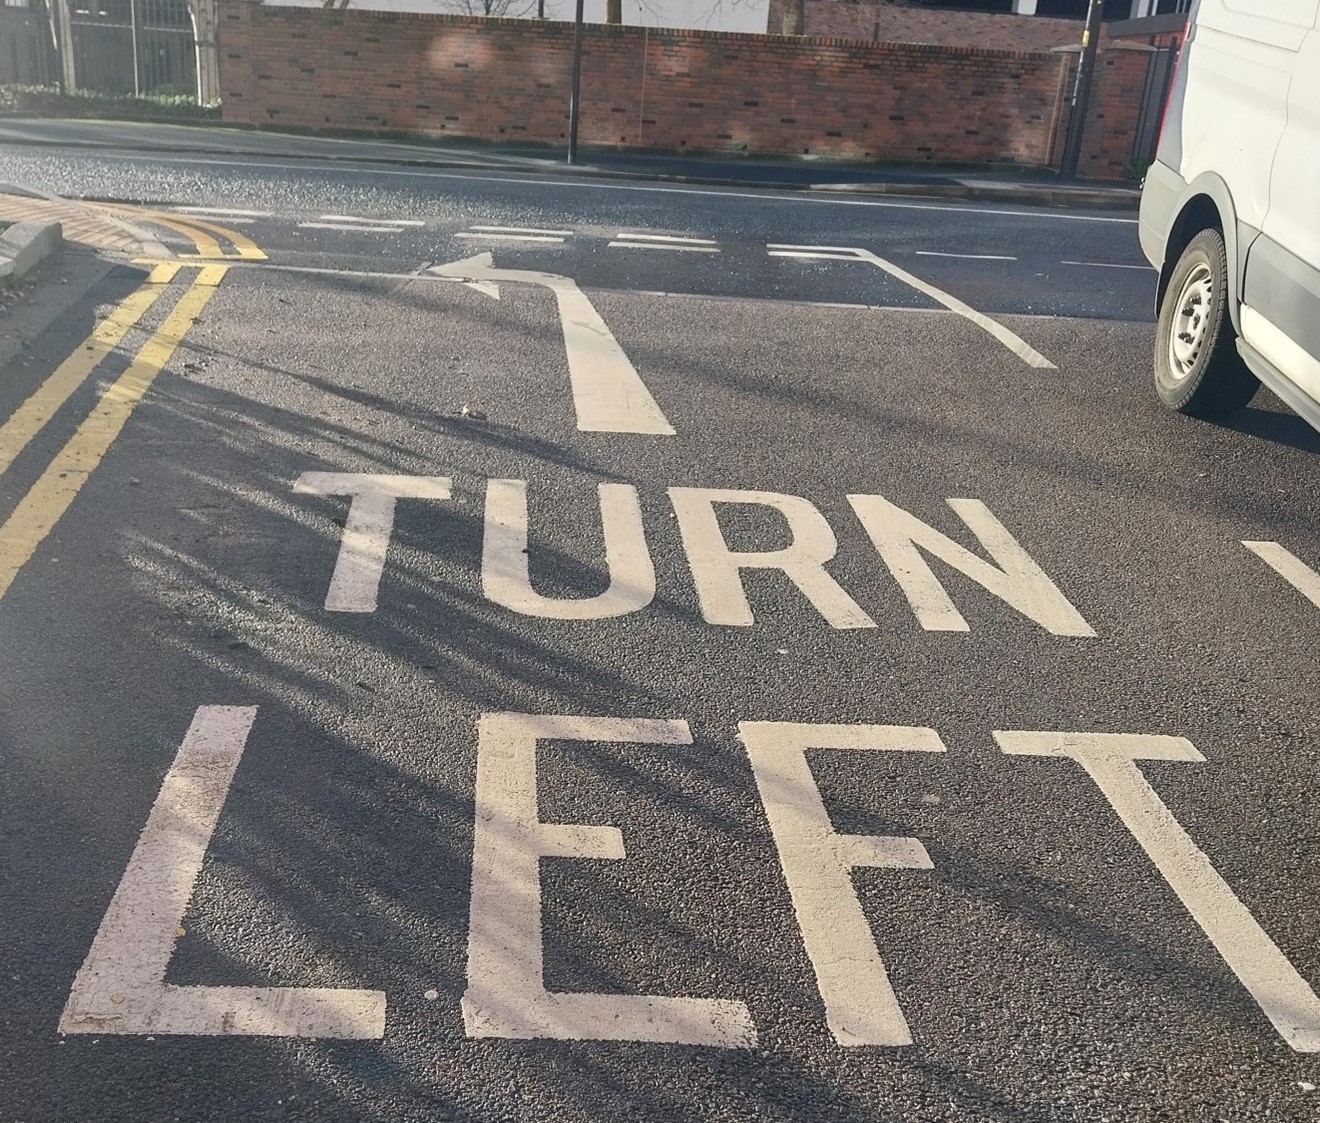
(31, 417)
(207, 246)
(245, 248)
(204, 235)
(42, 507)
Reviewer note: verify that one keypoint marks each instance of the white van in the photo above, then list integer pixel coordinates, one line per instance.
(1230, 211)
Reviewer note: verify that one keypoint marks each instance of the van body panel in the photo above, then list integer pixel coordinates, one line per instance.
(1234, 112)
(1243, 130)
(1273, 23)
(1285, 290)
(1283, 270)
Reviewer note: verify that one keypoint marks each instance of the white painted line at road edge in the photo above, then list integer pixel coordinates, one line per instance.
(121, 986)
(1110, 759)
(608, 393)
(1291, 568)
(1010, 339)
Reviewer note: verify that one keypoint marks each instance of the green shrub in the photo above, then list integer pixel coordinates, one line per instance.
(167, 103)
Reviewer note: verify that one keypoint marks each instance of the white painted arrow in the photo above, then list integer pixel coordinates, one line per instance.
(608, 394)
(1010, 339)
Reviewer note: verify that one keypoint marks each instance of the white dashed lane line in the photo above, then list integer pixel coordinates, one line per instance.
(966, 256)
(1106, 265)
(359, 225)
(639, 241)
(515, 234)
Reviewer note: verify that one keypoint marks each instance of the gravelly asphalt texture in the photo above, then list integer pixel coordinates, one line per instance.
(1045, 968)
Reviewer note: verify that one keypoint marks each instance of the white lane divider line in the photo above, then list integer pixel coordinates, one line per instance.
(1010, 339)
(358, 225)
(608, 393)
(1107, 265)
(533, 234)
(786, 249)
(637, 236)
(544, 239)
(639, 241)
(621, 245)
(967, 256)
(1290, 567)
(121, 986)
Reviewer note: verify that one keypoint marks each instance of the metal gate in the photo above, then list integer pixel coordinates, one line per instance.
(27, 44)
(134, 46)
(1154, 97)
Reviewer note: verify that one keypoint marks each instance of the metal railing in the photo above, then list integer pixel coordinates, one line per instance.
(134, 46)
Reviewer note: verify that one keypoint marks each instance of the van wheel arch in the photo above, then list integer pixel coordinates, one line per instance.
(1208, 207)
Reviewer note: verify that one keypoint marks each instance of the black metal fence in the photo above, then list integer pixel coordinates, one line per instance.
(134, 46)
(27, 44)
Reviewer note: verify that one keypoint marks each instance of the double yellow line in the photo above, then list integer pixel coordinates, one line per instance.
(206, 236)
(47, 500)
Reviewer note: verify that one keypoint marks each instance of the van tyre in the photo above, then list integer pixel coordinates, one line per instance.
(1198, 370)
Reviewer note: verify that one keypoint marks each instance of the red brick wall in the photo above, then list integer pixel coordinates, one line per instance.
(508, 80)
(890, 24)
(1116, 93)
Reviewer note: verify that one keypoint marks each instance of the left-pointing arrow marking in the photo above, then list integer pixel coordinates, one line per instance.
(608, 394)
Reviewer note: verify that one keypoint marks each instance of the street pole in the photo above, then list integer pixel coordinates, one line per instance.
(133, 24)
(1081, 98)
(540, 9)
(575, 98)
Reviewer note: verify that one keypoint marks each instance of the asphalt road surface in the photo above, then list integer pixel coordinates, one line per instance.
(723, 661)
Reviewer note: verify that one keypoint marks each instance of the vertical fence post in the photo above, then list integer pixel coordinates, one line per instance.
(575, 99)
(133, 30)
(1072, 150)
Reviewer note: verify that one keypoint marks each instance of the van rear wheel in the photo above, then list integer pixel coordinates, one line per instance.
(1197, 368)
